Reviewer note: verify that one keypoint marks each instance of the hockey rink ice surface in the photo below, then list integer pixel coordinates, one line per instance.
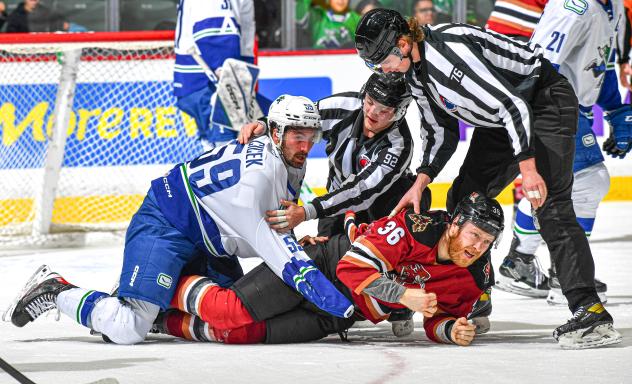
(518, 349)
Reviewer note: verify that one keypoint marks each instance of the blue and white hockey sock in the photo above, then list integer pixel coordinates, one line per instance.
(78, 303)
(587, 224)
(525, 230)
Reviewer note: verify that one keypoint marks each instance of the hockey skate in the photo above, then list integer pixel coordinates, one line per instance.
(402, 323)
(481, 311)
(591, 326)
(521, 273)
(556, 297)
(37, 297)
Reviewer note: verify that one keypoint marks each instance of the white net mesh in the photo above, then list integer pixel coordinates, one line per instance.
(124, 131)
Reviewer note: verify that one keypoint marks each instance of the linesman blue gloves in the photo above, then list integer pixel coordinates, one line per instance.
(619, 143)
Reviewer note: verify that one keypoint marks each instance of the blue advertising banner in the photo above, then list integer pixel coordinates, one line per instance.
(111, 124)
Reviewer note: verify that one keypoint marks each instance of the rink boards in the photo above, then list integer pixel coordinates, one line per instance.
(138, 135)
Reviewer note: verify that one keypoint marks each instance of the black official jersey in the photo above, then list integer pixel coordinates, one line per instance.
(480, 77)
(360, 169)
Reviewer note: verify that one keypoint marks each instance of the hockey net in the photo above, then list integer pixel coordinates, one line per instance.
(87, 121)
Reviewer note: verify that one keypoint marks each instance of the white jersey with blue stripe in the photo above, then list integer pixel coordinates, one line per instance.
(219, 29)
(578, 37)
(219, 201)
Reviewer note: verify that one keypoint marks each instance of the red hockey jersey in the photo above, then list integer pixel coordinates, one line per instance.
(515, 17)
(404, 248)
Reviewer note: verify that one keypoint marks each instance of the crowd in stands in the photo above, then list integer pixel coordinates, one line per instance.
(33, 16)
(320, 24)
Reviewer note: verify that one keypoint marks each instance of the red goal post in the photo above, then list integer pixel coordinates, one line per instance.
(87, 121)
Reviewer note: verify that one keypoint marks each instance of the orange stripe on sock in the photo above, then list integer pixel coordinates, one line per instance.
(186, 324)
(178, 298)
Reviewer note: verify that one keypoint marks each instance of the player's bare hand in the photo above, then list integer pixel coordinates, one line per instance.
(413, 196)
(312, 240)
(533, 185)
(284, 220)
(462, 332)
(249, 131)
(420, 301)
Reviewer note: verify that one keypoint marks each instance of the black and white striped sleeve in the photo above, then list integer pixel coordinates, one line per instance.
(360, 191)
(335, 108)
(489, 55)
(439, 136)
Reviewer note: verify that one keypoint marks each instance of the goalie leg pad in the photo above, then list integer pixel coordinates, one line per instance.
(301, 326)
(264, 294)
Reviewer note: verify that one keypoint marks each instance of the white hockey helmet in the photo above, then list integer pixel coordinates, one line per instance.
(295, 112)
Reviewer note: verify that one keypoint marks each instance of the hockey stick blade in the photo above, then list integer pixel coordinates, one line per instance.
(35, 279)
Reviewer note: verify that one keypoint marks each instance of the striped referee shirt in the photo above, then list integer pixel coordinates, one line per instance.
(360, 168)
(480, 77)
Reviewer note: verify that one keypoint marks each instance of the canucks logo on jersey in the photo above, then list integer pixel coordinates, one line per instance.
(577, 6)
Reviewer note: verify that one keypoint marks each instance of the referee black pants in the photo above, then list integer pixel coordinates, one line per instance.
(490, 166)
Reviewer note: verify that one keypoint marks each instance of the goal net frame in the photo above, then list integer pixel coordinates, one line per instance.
(124, 53)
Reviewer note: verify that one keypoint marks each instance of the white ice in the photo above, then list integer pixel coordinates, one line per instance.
(518, 349)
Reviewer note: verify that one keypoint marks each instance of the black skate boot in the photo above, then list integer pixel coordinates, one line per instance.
(481, 311)
(556, 297)
(39, 296)
(159, 326)
(591, 326)
(402, 323)
(521, 273)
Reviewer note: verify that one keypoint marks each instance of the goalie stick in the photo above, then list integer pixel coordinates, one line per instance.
(17, 375)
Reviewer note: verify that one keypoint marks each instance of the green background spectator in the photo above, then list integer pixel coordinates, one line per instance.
(330, 25)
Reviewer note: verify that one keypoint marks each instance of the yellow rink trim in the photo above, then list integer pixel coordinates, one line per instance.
(120, 208)
(75, 210)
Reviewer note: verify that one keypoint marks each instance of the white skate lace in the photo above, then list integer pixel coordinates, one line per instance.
(41, 304)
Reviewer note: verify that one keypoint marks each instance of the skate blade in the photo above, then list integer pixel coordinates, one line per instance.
(519, 288)
(35, 279)
(602, 335)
